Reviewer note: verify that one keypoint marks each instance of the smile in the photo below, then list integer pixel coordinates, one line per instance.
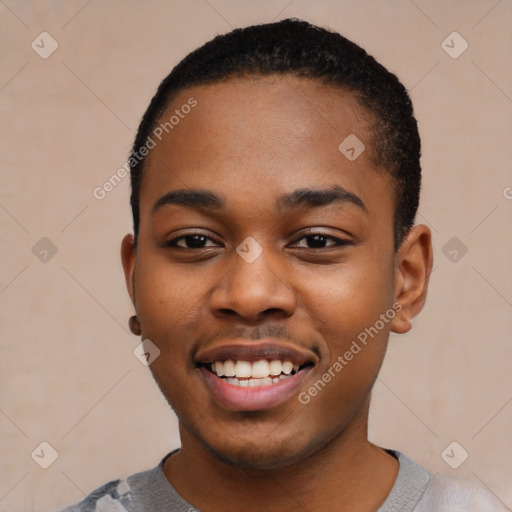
(253, 376)
(258, 373)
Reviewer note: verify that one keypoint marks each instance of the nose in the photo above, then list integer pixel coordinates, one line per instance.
(254, 290)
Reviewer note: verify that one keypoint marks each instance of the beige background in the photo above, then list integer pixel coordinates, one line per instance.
(68, 374)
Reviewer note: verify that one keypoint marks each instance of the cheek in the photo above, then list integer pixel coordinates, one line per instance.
(166, 293)
(346, 310)
(170, 307)
(347, 314)
(348, 300)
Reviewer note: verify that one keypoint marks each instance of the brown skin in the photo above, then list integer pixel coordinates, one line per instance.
(250, 141)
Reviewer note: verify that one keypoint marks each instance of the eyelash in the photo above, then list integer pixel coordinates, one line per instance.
(173, 243)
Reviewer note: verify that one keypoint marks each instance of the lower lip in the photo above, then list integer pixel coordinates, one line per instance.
(258, 398)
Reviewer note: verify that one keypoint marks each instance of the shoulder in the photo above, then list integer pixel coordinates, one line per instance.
(140, 492)
(112, 496)
(417, 490)
(122, 495)
(457, 495)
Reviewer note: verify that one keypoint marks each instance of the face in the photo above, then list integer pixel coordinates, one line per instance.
(265, 252)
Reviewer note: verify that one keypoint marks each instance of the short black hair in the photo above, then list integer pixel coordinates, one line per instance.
(303, 50)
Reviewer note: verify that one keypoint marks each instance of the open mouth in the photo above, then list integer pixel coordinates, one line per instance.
(262, 372)
(245, 375)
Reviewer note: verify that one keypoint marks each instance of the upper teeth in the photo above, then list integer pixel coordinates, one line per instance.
(256, 370)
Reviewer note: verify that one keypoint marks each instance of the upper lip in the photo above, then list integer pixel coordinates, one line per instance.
(250, 350)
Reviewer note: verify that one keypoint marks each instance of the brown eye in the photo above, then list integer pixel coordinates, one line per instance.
(192, 241)
(320, 241)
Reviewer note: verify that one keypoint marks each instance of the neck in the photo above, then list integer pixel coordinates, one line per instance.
(348, 473)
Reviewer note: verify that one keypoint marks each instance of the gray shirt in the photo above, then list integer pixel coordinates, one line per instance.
(415, 490)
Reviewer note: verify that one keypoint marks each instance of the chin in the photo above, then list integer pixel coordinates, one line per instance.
(260, 451)
(255, 456)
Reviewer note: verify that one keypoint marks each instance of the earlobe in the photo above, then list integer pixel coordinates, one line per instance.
(412, 272)
(128, 257)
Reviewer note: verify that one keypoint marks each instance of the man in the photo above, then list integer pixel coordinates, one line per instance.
(275, 181)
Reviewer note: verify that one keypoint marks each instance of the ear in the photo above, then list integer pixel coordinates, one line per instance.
(413, 266)
(128, 257)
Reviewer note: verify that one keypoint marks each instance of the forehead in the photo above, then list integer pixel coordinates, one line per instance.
(261, 134)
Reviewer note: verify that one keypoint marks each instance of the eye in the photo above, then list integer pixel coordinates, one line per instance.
(319, 240)
(191, 241)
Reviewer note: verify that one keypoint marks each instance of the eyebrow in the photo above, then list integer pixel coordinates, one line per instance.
(200, 199)
(298, 199)
(317, 198)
